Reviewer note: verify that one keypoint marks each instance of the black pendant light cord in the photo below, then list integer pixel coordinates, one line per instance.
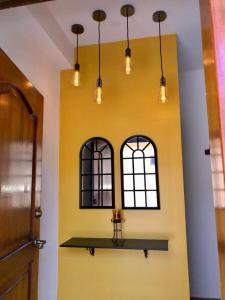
(160, 46)
(77, 49)
(99, 51)
(128, 39)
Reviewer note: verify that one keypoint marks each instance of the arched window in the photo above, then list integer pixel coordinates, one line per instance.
(96, 174)
(139, 174)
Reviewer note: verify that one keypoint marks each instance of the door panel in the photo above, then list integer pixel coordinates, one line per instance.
(18, 287)
(213, 40)
(15, 272)
(16, 155)
(19, 291)
(21, 113)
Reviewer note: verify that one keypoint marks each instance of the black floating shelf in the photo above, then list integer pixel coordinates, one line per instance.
(121, 244)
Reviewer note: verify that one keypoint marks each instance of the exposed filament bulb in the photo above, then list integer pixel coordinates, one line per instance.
(128, 62)
(76, 75)
(163, 90)
(99, 92)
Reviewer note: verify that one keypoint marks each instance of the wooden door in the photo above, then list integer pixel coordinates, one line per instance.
(213, 38)
(21, 107)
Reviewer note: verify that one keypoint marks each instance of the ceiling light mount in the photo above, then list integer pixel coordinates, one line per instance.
(127, 10)
(99, 15)
(159, 16)
(77, 28)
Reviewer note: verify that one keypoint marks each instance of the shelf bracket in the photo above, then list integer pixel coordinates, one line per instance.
(146, 253)
(91, 251)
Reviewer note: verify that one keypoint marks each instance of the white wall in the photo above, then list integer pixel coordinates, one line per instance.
(27, 44)
(201, 230)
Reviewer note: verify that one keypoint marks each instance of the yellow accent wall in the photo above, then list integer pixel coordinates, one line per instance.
(131, 107)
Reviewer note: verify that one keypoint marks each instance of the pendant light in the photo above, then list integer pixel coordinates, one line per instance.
(99, 16)
(127, 11)
(159, 17)
(77, 29)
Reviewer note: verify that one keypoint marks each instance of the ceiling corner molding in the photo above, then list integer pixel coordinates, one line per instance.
(47, 21)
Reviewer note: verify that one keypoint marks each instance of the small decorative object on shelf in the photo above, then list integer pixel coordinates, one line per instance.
(117, 221)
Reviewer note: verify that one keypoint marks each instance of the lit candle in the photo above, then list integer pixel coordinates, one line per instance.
(117, 215)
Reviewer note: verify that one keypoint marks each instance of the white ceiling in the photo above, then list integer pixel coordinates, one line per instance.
(183, 19)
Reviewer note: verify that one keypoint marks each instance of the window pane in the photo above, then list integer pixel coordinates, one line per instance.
(107, 182)
(138, 165)
(97, 182)
(149, 151)
(107, 198)
(86, 153)
(106, 166)
(133, 143)
(140, 199)
(127, 152)
(143, 144)
(86, 182)
(97, 155)
(150, 165)
(150, 182)
(143, 139)
(102, 198)
(128, 182)
(138, 153)
(97, 166)
(127, 166)
(139, 182)
(86, 166)
(86, 198)
(100, 144)
(129, 199)
(106, 152)
(97, 198)
(91, 145)
(102, 182)
(152, 199)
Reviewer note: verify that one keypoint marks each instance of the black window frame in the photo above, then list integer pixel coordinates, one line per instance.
(158, 207)
(107, 174)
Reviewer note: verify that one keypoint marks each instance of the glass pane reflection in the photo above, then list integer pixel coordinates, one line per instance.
(127, 166)
(139, 165)
(129, 199)
(97, 184)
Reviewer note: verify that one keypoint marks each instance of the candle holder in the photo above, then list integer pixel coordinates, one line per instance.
(117, 221)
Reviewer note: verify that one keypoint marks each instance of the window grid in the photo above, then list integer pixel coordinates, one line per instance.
(96, 171)
(126, 185)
